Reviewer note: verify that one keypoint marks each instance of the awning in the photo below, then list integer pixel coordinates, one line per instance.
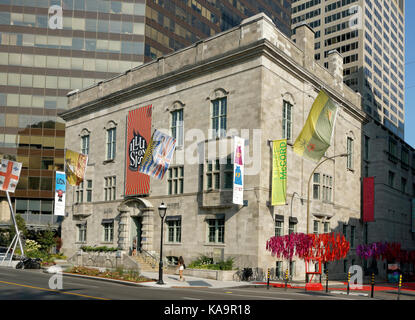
(279, 217)
(107, 221)
(293, 220)
(173, 218)
(215, 216)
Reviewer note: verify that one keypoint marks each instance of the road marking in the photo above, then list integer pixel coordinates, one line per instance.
(298, 293)
(44, 289)
(188, 298)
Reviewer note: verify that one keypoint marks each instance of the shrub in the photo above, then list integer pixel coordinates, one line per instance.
(98, 249)
(32, 245)
(205, 262)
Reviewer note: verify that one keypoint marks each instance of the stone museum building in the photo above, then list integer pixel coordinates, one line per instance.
(251, 81)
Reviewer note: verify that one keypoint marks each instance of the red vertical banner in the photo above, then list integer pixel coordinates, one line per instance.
(138, 137)
(368, 199)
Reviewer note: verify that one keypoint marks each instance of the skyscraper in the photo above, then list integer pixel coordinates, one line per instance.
(172, 25)
(51, 47)
(370, 34)
(42, 58)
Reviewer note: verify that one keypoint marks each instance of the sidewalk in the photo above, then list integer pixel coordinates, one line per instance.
(173, 281)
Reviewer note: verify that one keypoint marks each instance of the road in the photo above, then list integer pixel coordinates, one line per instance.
(34, 285)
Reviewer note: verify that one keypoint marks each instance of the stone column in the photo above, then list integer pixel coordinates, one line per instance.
(304, 38)
(148, 229)
(123, 228)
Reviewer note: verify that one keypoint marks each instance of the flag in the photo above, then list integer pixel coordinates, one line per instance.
(159, 153)
(279, 172)
(75, 167)
(368, 199)
(238, 171)
(9, 175)
(315, 137)
(60, 193)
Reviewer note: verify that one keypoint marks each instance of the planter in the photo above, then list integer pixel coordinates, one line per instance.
(221, 275)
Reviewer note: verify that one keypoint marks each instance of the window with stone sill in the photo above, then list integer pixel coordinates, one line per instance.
(80, 193)
(216, 230)
(175, 180)
(279, 228)
(108, 232)
(81, 232)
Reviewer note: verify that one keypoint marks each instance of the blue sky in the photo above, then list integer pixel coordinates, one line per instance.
(410, 74)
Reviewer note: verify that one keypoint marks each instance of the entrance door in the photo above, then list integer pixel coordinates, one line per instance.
(136, 231)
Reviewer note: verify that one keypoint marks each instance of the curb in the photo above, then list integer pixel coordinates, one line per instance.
(128, 283)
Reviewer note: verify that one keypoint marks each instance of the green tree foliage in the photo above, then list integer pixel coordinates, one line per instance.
(21, 225)
(46, 239)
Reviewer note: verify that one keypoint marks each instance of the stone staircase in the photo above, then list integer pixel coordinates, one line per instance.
(146, 264)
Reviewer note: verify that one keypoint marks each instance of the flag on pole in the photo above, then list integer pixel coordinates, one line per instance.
(238, 171)
(159, 153)
(315, 138)
(9, 175)
(75, 167)
(279, 173)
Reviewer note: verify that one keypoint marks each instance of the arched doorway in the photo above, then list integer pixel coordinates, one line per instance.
(135, 230)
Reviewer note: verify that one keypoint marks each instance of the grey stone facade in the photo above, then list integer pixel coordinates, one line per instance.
(256, 68)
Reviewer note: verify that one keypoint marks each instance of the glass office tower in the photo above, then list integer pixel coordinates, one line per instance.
(370, 34)
(172, 25)
(39, 66)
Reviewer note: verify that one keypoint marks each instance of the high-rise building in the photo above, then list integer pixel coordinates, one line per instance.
(42, 58)
(172, 25)
(51, 47)
(370, 34)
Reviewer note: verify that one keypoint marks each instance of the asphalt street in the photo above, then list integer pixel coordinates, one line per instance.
(34, 285)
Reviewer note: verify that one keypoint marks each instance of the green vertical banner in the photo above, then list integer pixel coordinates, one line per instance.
(279, 172)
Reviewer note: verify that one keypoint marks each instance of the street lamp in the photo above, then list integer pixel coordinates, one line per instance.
(308, 186)
(162, 213)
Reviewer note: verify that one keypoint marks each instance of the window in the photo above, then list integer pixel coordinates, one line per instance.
(80, 193)
(219, 117)
(292, 268)
(403, 185)
(286, 120)
(108, 234)
(316, 186)
(279, 226)
(316, 227)
(352, 235)
(366, 151)
(111, 137)
(81, 230)
(88, 190)
(175, 180)
(216, 230)
(345, 230)
(327, 188)
(393, 147)
(292, 227)
(278, 269)
(326, 227)
(349, 153)
(213, 175)
(109, 188)
(228, 174)
(85, 145)
(177, 126)
(391, 178)
(174, 228)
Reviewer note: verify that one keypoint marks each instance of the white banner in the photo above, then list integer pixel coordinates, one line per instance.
(60, 193)
(238, 171)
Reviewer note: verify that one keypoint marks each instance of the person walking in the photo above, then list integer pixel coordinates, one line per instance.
(181, 267)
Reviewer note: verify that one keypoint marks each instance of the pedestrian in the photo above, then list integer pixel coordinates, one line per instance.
(181, 267)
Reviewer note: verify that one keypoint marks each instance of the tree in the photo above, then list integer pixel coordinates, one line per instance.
(21, 225)
(46, 239)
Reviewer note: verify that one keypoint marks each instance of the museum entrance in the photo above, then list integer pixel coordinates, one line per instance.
(136, 232)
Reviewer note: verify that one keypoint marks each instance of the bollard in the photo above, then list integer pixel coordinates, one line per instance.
(286, 279)
(373, 285)
(327, 280)
(348, 283)
(268, 280)
(399, 287)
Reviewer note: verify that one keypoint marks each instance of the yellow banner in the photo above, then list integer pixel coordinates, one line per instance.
(279, 172)
(75, 167)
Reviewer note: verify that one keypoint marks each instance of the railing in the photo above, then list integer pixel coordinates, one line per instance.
(258, 274)
(41, 220)
(148, 257)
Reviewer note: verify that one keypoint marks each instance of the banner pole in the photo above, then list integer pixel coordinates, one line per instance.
(15, 223)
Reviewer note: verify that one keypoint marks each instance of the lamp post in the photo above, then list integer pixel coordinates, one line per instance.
(308, 186)
(162, 213)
